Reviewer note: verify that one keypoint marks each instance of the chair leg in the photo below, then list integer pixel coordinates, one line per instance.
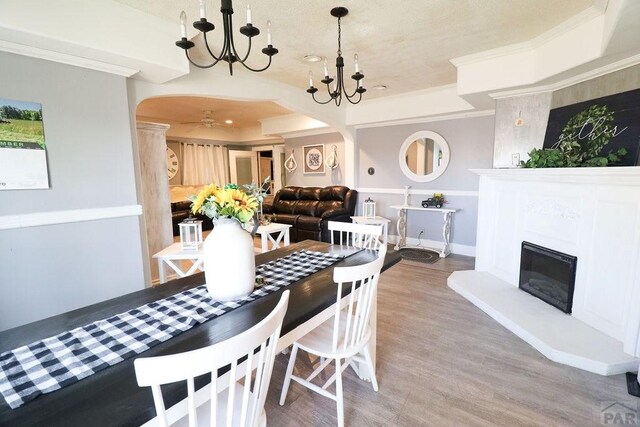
(339, 399)
(287, 377)
(372, 372)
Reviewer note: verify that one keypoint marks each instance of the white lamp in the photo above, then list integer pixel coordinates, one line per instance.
(369, 208)
(190, 234)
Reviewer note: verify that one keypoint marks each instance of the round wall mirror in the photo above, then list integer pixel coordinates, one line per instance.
(424, 156)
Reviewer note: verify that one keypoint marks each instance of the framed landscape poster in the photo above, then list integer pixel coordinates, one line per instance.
(23, 157)
(313, 158)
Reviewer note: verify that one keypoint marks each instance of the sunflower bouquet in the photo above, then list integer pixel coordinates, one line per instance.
(227, 202)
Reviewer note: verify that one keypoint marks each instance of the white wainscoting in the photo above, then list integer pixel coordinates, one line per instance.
(37, 219)
(591, 213)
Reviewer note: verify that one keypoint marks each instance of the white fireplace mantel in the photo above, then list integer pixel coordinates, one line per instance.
(592, 213)
(626, 175)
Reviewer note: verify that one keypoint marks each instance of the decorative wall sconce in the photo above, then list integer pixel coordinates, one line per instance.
(290, 164)
(519, 120)
(332, 158)
(190, 234)
(369, 208)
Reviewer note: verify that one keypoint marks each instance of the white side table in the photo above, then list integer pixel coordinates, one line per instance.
(375, 220)
(266, 231)
(175, 253)
(446, 227)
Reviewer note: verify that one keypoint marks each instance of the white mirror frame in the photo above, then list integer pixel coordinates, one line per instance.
(438, 139)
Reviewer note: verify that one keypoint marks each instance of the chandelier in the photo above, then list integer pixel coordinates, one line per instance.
(228, 53)
(338, 89)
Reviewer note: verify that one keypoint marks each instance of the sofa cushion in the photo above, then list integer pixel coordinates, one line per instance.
(328, 205)
(184, 205)
(335, 192)
(284, 219)
(309, 223)
(309, 193)
(285, 206)
(306, 207)
(289, 193)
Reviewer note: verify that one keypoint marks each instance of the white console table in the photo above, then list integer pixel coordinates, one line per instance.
(402, 225)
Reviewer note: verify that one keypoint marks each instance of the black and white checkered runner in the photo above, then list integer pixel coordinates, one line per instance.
(53, 363)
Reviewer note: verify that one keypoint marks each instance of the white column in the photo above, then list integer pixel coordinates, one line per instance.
(156, 204)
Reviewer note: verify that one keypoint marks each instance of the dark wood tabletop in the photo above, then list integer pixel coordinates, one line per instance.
(112, 396)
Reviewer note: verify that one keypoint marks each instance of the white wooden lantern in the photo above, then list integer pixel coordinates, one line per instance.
(369, 208)
(190, 234)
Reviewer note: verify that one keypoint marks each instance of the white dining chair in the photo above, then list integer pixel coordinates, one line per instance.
(358, 235)
(238, 403)
(344, 338)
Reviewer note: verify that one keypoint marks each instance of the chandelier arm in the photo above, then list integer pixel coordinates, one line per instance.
(206, 44)
(198, 65)
(257, 70)
(313, 95)
(233, 45)
(352, 96)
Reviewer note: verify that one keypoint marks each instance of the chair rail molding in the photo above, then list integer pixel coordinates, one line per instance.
(421, 192)
(37, 219)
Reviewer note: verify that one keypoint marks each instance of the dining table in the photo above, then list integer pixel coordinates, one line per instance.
(112, 396)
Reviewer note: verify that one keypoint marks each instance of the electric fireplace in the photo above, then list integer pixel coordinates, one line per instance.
(549, 275)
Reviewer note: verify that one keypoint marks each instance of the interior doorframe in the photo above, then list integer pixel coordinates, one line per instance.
(276, 150)
(233, 172)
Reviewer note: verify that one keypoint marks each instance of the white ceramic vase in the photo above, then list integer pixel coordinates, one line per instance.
(229, 261)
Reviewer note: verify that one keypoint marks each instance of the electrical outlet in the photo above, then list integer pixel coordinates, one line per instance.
(515, 159)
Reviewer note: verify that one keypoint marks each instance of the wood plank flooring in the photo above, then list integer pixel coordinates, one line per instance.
(443, 362)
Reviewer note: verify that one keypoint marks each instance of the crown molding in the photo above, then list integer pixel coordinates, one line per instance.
(438, 118)
(63, 58)
(563, 28)
(570, 81)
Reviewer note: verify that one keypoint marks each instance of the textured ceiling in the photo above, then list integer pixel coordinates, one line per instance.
(405, 45)
(178, 109)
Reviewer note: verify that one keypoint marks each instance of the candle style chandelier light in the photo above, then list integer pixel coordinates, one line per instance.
(335, 95)
(228, 52)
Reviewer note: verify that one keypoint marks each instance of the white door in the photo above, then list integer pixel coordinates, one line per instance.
(243, 166)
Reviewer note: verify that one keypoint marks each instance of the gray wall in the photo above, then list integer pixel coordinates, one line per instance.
(55, 268)
(329, 177)
(535, 112)
(471, 143)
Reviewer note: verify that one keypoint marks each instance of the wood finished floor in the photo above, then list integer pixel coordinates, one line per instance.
(443, 362)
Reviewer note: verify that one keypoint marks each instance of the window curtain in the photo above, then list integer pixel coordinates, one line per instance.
(204, 164)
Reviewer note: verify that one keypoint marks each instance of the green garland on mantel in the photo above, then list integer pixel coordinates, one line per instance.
(581, 143)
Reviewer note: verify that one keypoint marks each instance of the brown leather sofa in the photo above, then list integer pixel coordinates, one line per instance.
(308, 209)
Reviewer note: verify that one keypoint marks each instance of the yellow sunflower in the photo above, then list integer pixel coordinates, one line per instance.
(203, 195)
(244, 206)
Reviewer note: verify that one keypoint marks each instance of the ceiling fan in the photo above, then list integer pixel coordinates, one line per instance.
(207, 120)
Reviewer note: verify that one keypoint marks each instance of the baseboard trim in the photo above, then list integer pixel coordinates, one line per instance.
(37, 219)
(456, 248)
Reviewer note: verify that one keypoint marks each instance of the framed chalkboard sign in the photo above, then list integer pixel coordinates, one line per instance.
(616, 116)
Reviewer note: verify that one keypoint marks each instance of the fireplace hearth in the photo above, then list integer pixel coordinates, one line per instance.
(548, 275)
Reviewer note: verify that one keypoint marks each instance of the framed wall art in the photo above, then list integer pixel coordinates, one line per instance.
(313, 158)
(23, 157)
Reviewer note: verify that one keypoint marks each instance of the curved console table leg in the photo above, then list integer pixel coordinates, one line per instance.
(402, 229)
(446, 234)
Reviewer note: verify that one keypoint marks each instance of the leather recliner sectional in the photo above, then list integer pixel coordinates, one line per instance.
(308, 209)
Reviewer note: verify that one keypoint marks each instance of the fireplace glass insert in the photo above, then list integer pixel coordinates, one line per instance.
(548, 275)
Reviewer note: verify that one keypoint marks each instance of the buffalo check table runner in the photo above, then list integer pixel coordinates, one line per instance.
(52, 363)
